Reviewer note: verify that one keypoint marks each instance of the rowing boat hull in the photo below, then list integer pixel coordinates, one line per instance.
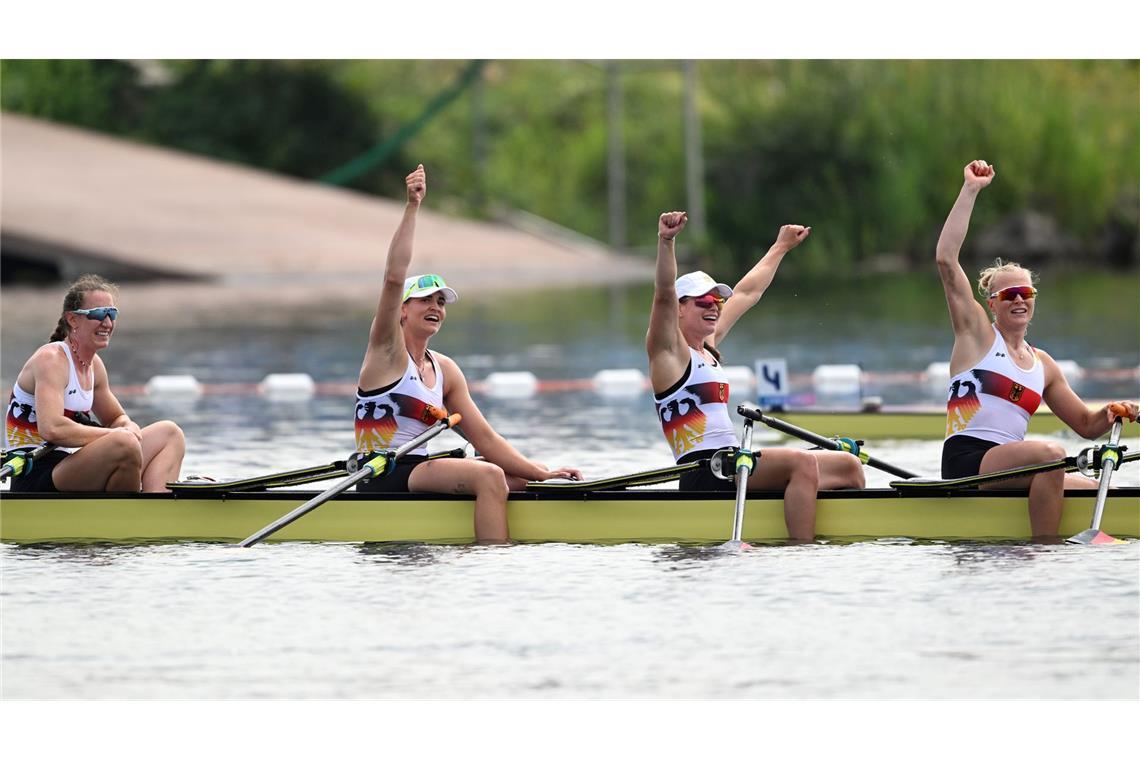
(650, 516)
(876, 426)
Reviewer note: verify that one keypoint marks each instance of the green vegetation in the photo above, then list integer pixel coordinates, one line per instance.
(869, 153)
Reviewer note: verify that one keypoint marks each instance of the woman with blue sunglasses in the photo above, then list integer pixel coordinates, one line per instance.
(998, 380)
(61, 386)
(401, 381)
(690, 317)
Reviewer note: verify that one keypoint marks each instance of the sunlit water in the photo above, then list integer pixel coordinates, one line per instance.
(890, 618)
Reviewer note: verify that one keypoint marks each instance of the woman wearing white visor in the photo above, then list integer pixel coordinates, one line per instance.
(691, 316)
(400, 378)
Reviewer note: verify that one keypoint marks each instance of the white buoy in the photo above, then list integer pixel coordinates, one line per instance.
(173, 386)
(511, 384)
(838, 379)
(1072, 371)
(741, 380)
(619, 382)
(291, 386)
(937, 377)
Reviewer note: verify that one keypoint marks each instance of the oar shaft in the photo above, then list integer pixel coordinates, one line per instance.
(743, 470)
(365, 471)
(1105, 476)
(307, 507)
(824, 443)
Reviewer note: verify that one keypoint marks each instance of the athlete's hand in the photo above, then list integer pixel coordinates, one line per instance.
(978, 174)
(671, 223)
(1122, 409)
(417, 185)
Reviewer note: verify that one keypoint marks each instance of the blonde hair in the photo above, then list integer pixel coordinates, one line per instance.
(986, 278)
(74, 300)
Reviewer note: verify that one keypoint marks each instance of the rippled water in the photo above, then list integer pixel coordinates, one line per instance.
(877, 619)
(886, 619)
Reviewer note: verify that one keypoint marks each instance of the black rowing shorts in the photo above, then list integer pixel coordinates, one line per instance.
(397, 480)
(962, 456)
(38, 478)
(702, 478)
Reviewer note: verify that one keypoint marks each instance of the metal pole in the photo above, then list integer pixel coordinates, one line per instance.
(616, 171)
(694, 156)
(478, 143)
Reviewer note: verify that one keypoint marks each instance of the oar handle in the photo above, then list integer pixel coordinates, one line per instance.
(19, 462)
(378, 465)
(752, 412)
(1120, 410)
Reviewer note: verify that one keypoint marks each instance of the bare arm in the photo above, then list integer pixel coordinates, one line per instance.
(972, 333)
(668, 354)
(747, 292)
(1067, 405)
(475, 428)
(384, 358)
(106, 406)
(50, 372)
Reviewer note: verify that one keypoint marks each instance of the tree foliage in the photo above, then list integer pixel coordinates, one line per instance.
(869, 153)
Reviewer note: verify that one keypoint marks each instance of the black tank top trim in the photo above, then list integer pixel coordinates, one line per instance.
(677, 385)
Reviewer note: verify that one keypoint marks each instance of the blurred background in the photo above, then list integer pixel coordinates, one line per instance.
(246, 208)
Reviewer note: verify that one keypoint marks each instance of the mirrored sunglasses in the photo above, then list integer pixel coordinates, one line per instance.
(423, 283)
(707, 300)
(1026, 292)
(99, 313)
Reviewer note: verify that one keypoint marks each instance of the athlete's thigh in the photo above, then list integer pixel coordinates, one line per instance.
(449, 475)
(1009, 455)
(774, 468)
(89, 468)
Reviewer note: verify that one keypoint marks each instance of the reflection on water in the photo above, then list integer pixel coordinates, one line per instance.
(868, 620)
(877, 619)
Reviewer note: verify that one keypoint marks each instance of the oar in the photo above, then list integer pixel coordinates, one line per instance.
(377, 466)
(745, 461)
(1109, 460)
(752, 411)
(20, 461)
(619, 482)
(1078, 463)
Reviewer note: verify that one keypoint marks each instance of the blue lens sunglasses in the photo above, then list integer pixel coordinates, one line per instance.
(99, 313)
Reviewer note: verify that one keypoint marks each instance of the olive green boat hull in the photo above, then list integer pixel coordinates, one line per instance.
(646, 515)
(895, 424)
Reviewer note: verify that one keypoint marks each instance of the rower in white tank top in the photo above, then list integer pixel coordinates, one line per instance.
(389, 417)
(994, 400)
(21, 427)
(694, 412)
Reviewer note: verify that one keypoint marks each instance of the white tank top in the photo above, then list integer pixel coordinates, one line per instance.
(389, 417)
(694, 412)
(21, 428)
(994, 400)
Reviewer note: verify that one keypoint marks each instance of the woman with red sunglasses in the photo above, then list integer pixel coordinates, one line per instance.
(400, 379)
(998, 380)
(691, 315)
(61, 386)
